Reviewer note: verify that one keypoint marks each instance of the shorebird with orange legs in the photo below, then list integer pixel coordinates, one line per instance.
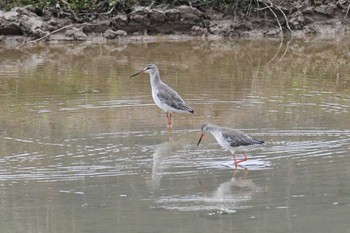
(164, 96)
(230, 139)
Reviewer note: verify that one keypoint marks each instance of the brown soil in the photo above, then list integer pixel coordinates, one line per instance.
(246, 19)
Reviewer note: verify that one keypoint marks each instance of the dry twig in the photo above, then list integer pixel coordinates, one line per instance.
(347, 12)
(270, 6)
(274, 14)
(285, 17)
(111, 10)
(53, 32)
(43, 37)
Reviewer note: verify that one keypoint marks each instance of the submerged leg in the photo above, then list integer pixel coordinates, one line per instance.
(235, 161)
(168, 116)
(245, 156)
(244, 176)
(170, 125)
(245, 173)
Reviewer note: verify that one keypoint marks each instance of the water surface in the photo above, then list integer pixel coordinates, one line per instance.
(84, 148)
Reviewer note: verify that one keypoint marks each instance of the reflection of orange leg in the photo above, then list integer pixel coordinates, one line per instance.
(235, 161)
(203, 189)
(168, 116)
(235, 172)
(244, 176)
(245, 173)
(170, 133)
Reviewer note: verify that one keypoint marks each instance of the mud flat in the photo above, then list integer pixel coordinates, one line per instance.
(248, 19)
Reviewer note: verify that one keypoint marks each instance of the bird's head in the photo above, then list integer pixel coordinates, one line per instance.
(204, 128)
(150, 69)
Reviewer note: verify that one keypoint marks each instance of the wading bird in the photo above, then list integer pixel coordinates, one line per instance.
(230, 139)
(164, 96)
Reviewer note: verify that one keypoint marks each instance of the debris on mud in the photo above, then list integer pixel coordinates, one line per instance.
(245, 19)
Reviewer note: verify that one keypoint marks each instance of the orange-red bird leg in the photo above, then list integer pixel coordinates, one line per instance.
(235, 161)
(168, 116)
(244, 159)
(239, 161)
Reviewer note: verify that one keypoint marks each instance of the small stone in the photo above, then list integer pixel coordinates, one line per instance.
(327, 10)
(198, 31)
(121, 33)
(38, 33)
(110, 34)
(76, 33)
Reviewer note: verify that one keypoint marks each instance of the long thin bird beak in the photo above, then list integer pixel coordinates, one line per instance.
(200, 138)
(136, 74)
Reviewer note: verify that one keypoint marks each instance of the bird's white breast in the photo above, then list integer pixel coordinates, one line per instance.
(157, 100)
(220, 139)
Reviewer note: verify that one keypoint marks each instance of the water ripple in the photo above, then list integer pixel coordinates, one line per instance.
(130, 153)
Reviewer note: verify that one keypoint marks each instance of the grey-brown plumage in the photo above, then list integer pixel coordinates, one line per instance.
(236, 138)
(170, 100)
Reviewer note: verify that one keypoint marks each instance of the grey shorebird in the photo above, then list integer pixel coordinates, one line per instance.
(230, 139)
(164, 96)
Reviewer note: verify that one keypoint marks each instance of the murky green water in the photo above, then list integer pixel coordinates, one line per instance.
(84, 148)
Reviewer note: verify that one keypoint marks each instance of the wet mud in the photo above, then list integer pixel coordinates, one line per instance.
(245, 19)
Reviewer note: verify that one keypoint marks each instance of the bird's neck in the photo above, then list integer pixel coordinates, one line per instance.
(155, 79)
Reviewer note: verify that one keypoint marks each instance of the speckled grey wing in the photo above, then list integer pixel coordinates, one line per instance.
(239, 139)
(172, 99)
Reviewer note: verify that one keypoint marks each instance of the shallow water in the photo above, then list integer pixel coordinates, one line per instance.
(84, 148)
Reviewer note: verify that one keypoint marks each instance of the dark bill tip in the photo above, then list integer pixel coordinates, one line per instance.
(200, 138)
(135, 74)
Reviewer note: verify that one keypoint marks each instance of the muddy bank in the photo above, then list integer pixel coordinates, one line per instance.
(258, 18)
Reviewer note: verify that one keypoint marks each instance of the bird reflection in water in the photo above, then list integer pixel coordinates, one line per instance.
(163, 157)
(236, 189)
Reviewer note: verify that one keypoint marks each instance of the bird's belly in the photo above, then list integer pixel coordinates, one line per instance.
(159, 103)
